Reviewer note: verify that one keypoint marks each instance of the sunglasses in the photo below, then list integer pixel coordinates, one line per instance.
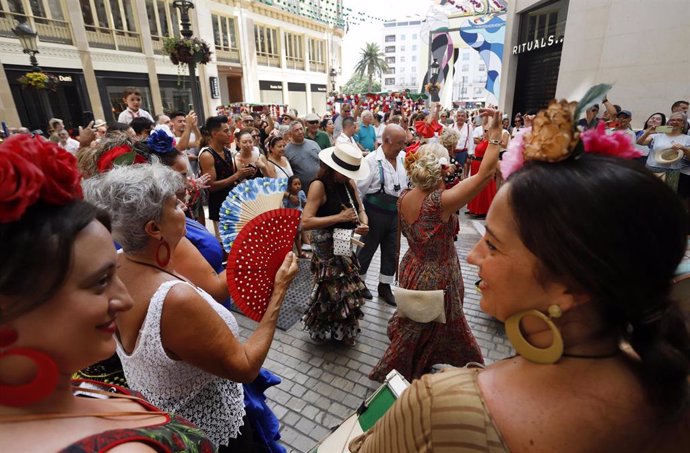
(312, 122)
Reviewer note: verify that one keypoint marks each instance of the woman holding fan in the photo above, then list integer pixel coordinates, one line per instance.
(177, 345)
(333, 202)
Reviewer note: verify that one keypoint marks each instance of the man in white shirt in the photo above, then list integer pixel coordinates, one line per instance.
(349, 129)
(68, 143)
(379, 193)
(465, 140)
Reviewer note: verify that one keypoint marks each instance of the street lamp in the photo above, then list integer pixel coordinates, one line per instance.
(29, 42)
(433, 72)
(333, 75)
(433, 79)
(183, 6)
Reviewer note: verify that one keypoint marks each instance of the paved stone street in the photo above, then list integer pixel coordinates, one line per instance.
(325, 383)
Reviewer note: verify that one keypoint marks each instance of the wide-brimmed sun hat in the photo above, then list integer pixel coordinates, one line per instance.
(668, 155)
(346, 159)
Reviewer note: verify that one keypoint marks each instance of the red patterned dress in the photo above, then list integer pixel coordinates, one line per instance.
(430, 263)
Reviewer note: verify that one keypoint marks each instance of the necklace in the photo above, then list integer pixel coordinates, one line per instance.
(156, 267)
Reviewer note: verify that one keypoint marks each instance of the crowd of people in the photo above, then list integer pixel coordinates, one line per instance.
(127, 285)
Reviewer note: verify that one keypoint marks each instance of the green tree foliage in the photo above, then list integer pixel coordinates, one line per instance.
(371, 64)
(359, 84)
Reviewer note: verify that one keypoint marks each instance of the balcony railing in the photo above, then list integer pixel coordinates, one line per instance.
(49, 30)
(157, 42)
(267, 59)
(294, 63)
(228, 54)
(316, 66)
(108, 38)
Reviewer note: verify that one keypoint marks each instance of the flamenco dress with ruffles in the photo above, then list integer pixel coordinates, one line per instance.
(479, 205)
(334, 307)
(431, 263)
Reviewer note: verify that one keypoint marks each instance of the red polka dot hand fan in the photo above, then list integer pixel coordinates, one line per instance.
(255, 257)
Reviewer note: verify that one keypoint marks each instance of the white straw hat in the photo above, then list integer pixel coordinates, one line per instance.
(668, 155)
(346, 159)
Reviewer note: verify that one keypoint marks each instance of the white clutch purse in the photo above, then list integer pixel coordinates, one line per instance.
(342, 242)
(420, 306)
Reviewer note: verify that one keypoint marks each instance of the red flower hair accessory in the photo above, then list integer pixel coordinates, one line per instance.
(617, 144)
(33, 169)
(427, 130)
(118, 155)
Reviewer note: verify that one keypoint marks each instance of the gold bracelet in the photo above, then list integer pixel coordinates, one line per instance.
(494, 142)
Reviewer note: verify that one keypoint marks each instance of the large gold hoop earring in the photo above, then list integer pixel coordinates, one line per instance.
(524, 348)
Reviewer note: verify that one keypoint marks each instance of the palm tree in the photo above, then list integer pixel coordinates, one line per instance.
(371, 63)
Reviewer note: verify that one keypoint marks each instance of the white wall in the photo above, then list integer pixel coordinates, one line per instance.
(639, 46)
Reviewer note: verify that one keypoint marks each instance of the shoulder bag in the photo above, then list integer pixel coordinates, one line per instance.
(418, 305)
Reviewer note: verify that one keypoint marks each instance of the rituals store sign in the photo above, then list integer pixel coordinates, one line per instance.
(535, 44)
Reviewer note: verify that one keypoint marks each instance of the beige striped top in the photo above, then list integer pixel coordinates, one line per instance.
(439, 413)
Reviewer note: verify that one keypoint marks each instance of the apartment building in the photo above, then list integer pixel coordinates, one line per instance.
(262, 52)
(401, 46)
(469, 77)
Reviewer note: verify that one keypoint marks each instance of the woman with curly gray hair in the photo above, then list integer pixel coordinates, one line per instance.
(429, 221)
(177, 345)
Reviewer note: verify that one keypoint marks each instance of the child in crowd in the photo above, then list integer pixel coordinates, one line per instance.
(295, 198)
(132, 97)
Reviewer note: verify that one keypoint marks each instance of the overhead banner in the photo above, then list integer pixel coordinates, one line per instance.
(486, 35)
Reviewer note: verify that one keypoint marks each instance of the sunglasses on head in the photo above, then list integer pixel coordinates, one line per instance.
(312, 122)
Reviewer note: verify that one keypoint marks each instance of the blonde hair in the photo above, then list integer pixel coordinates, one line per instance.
(449, 138)
(423, 167)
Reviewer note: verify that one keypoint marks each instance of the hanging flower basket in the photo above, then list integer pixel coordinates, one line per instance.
(38, 80)
(187, 50)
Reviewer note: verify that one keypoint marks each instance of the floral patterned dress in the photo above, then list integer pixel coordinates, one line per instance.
(336, 299)
(430, 263)
(174, 435)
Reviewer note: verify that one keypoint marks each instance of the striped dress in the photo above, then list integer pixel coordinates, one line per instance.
(439, 413)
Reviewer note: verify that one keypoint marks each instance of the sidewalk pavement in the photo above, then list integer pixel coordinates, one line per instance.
(322, 384)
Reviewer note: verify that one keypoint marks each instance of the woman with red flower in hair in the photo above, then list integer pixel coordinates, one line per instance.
(55, 324)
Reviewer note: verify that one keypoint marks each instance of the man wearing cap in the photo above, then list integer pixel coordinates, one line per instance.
(303, 155)
(380, 192)
(313, 132)
(623, 125)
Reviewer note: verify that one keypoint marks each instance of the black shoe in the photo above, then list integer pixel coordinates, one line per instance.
(386, 294)
(367, 294)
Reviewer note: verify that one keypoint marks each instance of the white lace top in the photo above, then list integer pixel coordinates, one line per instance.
(213, 404)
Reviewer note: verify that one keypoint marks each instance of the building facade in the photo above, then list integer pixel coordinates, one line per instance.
(559, 48)
(261, 53)
(402, 45)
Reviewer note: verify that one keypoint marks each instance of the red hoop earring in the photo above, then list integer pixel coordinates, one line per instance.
(42, 385)
(163, 262)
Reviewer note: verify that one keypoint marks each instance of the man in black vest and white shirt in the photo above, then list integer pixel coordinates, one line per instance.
(380, 192)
